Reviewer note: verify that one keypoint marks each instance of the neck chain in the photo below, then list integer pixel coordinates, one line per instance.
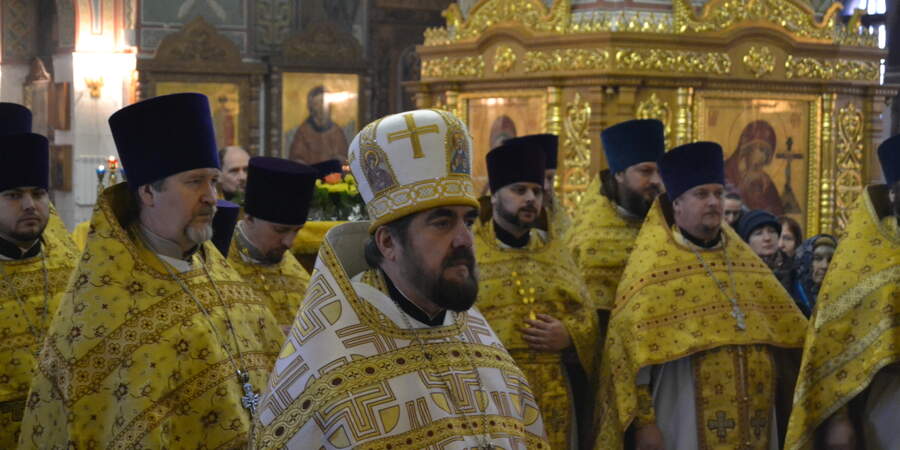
(736, 312)
(23, 304)
(250, 400)
(484, 439)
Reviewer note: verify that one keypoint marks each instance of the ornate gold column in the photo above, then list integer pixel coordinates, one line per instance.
(848, 163)
(825, 213)
(684, 126)
(576, 147)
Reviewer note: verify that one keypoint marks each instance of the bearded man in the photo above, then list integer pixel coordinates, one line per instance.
(387, 350)
(158, 342)
(531, 292)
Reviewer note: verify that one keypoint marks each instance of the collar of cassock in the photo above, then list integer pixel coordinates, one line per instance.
(165, 247)
(13, 251)
(249, 251)
(411, 308)
(509, 239)
(700, 242)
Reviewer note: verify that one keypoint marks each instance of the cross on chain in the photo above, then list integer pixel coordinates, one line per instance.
(412, 133)
(250, 400)
(721, 424)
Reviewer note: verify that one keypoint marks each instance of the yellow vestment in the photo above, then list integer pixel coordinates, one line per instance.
(540, 278)
(281, 285)
(23, 306)
(357, 372)
(130, 361)
(855, 329)
(601, 240)
(668, 308)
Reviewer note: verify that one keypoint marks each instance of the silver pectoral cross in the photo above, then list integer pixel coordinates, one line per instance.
(738, 316)
(250, 400)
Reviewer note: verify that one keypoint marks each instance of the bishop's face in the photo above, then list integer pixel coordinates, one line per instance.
(438, 257)
(24, 213)
(183, 210)
(699, 210)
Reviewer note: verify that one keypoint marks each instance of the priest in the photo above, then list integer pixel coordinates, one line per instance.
(36, 257)
(699, 343)
(223, 225)
(612, 210)
(530, 291)
(556, 215)
(387, 350)
(849, 387)
(158, 342)
(279, 192)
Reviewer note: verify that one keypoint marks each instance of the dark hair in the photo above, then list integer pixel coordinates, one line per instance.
(399, 230)
(318, 90)
(793, 227)
(156, 186)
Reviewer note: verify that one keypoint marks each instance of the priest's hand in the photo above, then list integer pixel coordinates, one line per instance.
(546, 334)
(649, 437)
(840, 434)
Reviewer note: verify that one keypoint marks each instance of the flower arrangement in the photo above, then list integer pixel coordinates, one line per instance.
(336, 198)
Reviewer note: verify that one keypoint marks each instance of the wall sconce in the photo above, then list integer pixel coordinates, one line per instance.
(94, 85)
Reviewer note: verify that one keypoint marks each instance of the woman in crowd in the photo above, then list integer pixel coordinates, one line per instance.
(791, 235)
(811, 262)
(761, 231)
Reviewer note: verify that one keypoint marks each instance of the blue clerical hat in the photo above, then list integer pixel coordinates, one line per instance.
(633, 142)
(24, 161)
(328, 167)
(223, 225)
(279, 190)
(163, 136)
(690, 165)
(515, 162)
(889, 155)
(14, 118)
(548, 142)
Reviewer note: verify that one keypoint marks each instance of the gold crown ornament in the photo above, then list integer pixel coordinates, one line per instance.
(412, 161)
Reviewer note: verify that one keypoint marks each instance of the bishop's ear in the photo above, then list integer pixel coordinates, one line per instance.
(386, 243)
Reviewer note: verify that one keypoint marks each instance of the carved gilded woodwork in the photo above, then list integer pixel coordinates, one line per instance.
(576, 150)
(831, 69)
(453, 67)
(795, 16)
(504, 59)
(759, 61)
(825, 208)
(654, 108)
(848, 163)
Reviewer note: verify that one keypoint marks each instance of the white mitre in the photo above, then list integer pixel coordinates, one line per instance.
(411, 162)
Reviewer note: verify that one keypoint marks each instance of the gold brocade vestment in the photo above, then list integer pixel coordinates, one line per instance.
(281, 285)
(18, 344)
(130, 361)
(668, 308)
(355, 372)
(541, 278)
(601, 241)
(855, 329)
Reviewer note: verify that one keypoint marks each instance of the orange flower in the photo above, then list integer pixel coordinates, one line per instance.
(334, 178)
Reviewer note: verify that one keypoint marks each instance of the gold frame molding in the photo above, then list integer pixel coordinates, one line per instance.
(813, 152)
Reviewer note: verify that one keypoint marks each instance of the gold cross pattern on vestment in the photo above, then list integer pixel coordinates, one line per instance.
(412, 132)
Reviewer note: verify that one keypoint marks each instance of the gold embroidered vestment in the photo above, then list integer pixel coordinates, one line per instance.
(131, 362)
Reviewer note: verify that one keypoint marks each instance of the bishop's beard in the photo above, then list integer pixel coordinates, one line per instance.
(447, 294)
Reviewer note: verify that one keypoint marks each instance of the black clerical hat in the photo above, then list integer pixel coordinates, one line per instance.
(24, 161)
(328, 167)
(889, 155)
(223, 225)
(547, 142)
(633, 142)
(279, 190)
(516, 162)
(754, 219)
(690, 165)
(14, 118)
(163, 136)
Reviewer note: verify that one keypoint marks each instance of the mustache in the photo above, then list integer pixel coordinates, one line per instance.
(461, 255)
(206, 211)
(530, 209)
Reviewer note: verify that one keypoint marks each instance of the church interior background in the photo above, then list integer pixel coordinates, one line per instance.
(798, 92)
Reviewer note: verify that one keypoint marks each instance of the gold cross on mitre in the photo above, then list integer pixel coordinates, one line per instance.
(412, 133)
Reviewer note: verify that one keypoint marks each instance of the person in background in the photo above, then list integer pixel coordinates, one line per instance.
(811, 263)
(761, 230)
(734, 208)
(791, 235)
(234, 173)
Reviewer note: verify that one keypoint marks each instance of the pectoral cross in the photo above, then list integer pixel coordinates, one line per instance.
(412, 133)
(788, 199)
(250, 400)
(721, 424)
